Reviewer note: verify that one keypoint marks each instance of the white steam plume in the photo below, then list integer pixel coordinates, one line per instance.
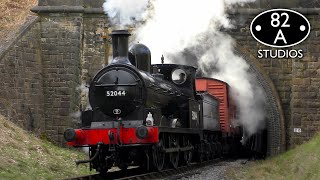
(125, 12)
(176, 23)
(220, 62)
(84, 96)
(188, 32)
(84, 93)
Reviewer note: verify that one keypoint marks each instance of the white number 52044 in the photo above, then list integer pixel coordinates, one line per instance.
(115, 93)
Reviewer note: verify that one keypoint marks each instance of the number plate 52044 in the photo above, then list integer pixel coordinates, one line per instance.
(115, 93)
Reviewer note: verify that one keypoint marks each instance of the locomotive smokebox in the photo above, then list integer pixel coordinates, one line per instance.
(120, 46)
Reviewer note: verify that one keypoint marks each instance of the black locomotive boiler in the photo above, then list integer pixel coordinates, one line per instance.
(149, 115)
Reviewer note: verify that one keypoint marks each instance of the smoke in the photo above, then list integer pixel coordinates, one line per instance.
(75, 115)
(189, 32)
(216, 58)
(84, 96)
(83, 88)
(175, 25)
(234, 2)
(125, 12)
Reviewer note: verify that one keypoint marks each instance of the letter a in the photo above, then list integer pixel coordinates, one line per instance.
(280, 36)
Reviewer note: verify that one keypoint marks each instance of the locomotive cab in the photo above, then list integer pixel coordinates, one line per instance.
(181, 75)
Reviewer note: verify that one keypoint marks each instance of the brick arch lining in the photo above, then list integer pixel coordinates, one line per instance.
(275, 117)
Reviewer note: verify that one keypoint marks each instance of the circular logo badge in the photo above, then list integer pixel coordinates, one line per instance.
(280, 28)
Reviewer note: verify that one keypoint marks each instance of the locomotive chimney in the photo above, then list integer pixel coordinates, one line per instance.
(120, 46)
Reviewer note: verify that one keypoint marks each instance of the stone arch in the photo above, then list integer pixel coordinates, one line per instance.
(276, 122)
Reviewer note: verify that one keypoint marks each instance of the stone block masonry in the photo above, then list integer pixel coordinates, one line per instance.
(72, 53)
(93, 46)
(60, 39)
(21, 80)
(46, 64)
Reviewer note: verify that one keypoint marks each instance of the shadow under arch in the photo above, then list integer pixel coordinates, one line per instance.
(275, 117)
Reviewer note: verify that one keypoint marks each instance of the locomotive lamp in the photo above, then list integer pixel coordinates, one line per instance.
(149, 120)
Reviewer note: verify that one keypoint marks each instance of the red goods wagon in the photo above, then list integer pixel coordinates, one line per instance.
(220, 90)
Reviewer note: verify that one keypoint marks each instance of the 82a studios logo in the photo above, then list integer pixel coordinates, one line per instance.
(280, 28)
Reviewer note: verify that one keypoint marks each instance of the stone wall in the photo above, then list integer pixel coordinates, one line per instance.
(305, 99)
(21, 81)
(61, 38)
(93, 45)
(42, 71)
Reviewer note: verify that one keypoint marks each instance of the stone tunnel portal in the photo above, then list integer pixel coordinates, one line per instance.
(274, 114)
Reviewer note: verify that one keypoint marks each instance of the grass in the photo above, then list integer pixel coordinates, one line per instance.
(302, 162)
(13, 13)
(24, 156)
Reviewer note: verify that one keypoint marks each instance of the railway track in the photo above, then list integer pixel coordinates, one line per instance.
(137, 174)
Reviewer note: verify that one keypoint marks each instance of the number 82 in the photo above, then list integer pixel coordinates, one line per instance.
(275, 20)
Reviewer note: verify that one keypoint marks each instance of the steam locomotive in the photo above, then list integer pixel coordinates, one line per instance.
(153, 115)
